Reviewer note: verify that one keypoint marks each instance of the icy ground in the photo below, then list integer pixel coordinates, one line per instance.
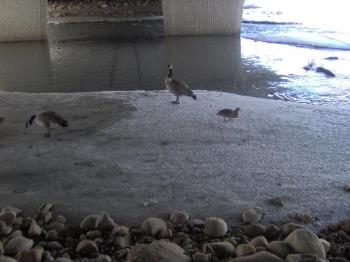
(135, 154)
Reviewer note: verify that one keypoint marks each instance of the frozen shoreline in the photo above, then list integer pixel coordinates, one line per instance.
(127, 148)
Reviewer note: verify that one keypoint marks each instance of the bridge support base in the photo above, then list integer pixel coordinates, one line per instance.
(194, 17)
(23, 20)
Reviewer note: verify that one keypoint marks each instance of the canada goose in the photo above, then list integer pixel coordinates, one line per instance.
(229, 113)
(178, 88)
(46, 119)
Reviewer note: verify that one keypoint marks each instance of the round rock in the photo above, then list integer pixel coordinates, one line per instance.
(288, 228)
(33, 255)
(254, 230)
(155, 227)
(179, 217)
(245, 250)
(221, 249)
(326, 245)
(251, 216)
(103, 258)
(303, 241)
(215, 227)
(7, 259)
(89, 222)
(262, 256)
(104, 222)
(87, 248)
(34, 229)
(8, 217)
(158, 251)
(201, 257)
(259, 241)
(18, 244)
(279, 248)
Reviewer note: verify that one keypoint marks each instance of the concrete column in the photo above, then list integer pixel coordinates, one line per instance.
(202, 16)
(23, 20)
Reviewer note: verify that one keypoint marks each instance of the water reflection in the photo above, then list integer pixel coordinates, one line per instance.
(126, 56)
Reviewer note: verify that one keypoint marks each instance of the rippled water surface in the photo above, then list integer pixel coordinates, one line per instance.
(277, 41)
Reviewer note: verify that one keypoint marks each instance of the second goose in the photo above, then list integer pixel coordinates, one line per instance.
(47, 119)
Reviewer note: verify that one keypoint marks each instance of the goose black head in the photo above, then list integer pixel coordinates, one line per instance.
(194, 97)
(170, 66)
(30, 121)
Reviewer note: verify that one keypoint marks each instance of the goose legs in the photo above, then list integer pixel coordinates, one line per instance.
(176, 102)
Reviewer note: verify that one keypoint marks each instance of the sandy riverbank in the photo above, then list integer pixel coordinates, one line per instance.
(124, 149)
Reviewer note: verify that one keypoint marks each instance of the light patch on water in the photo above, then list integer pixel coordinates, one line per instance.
(329, 15)
(302, 85)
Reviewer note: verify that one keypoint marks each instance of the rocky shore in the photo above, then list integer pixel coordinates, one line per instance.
(46, 237)
(103, 8)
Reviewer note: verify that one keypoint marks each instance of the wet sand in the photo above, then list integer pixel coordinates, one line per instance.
(123, 149)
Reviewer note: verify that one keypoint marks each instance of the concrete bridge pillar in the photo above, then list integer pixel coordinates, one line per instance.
(195, 17)
(23, 20)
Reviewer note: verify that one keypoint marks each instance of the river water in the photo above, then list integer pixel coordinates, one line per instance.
(278, 39)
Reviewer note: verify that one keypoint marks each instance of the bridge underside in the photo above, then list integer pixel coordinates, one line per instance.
(26, 20)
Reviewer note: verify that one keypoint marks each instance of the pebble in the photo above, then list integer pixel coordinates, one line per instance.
(104, 222)
(259, 241)
(34, 229)
(288, 228)
(17, 211)
(262, 256)
(8, 217)
(303, 241)
(300, 217)
(201, 257)
(87, 248)
(326, 245)
(158, 251)
(179, 217)
(272, 232)
(155, 227)
(304, 258)
(7, 259)
(279, 248)
(59, 219)
(33, 255)
(63, 259)
(18, 244)
(245, 250)
(251, 216)
(89, 222)
(277, 201)
(215, 227)
(93, 234)
(103, 258)
(221, 249)
(254, 230)
(4, 229)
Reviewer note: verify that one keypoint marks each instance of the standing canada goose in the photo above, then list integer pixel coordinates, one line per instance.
(178, 88)
(46, 119)
(229, 113)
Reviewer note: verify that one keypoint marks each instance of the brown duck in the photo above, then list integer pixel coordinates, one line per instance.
(229, 113)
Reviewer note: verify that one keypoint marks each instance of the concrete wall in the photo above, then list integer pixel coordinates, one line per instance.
(23, 20)
(202, 16)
